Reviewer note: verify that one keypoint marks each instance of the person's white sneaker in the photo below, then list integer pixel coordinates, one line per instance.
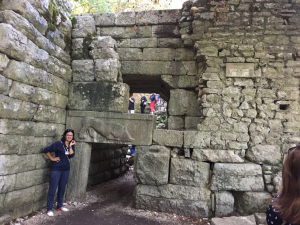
(63, 209)
(50, 213)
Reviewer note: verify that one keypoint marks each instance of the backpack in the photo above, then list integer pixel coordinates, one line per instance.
(152, 97)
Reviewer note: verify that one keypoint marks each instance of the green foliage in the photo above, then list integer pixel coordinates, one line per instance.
(161, 119)
(91, 6)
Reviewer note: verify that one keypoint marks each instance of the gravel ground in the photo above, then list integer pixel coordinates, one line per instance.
(108, 203)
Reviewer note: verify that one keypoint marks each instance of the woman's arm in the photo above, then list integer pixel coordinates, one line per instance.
(56, 159)
(49, 149)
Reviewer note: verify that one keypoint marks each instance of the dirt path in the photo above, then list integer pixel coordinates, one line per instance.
(109, 203)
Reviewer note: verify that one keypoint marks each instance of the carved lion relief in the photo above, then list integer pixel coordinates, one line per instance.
(110, 130)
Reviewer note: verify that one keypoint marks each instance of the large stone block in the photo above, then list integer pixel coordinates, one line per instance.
(183, 102)
(251, 202)
(16, 127)
(22, 211)
(48, 129)
(7, 183)
(9, 144)
(25, 9)
(3, 62)
(83, 70)
(266, 154)
(84, 26)
(127, 32)
(41, 192)
(190, 173)
(171, 16)
(114, 128)
(109, 97)
(13, 43)
(224, 203)
(237, 177)
(104, 19)
(148, 17)
(9, 107)
(107, 69)
(175, 123)
(5, 85)
(11, 164)
(170, 138)
(42, 161)
(184, 54)
(130, 54)
(143, 43)
(234, 220)
(125, 18)
(165, 31)
(50, 114)
(211, 155)
(197, 139)
(191, 122)
(152, 165)
(31, 178)
(18, 198)
(76, 187)
(158, 54)
(104, 53)
(182, 200)
(170, 43)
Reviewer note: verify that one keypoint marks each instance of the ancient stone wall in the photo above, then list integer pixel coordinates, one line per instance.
(34, 77)
(107, 162)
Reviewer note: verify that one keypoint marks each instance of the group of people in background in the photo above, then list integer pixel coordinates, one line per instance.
(153, 98)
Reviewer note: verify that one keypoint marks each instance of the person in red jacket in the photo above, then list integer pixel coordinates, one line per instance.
(153, 99)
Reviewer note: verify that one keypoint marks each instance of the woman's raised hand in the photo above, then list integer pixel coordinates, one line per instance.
(73, 142)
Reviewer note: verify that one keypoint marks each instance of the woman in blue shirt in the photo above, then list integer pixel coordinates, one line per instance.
(60, 170)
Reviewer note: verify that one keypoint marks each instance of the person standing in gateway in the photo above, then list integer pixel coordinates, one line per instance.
(60, 169)
(143, 103)
(131, 105)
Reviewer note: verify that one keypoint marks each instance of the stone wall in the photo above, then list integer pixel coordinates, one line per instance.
(107, 162)
(34, 77)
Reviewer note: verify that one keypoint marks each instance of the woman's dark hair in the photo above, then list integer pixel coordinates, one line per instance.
(288, 203)
(63, 139)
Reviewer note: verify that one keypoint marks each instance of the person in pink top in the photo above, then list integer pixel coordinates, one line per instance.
(153, 99)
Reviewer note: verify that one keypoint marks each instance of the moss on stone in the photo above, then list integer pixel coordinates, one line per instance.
(51, 16)
(68, 42)
(73, 20)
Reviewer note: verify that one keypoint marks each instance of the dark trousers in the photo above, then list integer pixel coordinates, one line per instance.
(143, 108)
(57, 179)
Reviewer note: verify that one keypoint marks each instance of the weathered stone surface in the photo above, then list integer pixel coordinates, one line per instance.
(266, 154)
(11, 164)
(48, 129)
(99, 97)
(169, 42)
(7, 183)
(104, 19)
(170, 138)
(13, 43)
(9, 144)
(16, 127)
(57, 38)
(84, 26)
(191, 122)
(184, 54)
(125, 19)
(143, 43)
(31, 178)
(41, 192)
(83, 70)
(130, 54)
(103, 48)
(171, 16)
(16, 199)
(183, 102)
(5, 85)
(9, 107)
(158, 54)
(107, 70)
(189, 172)
(152, 165)
(175, 123)
(78, 50)
(148, 17)
(237, 177)
(211, 155)
(157, 68)
(123, 43)
(127, 32)
(42, 161)
(25, 9)
(76, 187)
(180, 81)
(50, 114)
(250, 202)
(189, 201)
(3, 62)
(22, 211)
(233, 220)
(165, 31)
(224, 203)
(28, 74)
(115, 128)
(240, 70)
